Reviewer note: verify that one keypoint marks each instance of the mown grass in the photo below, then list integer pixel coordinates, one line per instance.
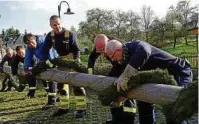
(182, 48)
(15, 107)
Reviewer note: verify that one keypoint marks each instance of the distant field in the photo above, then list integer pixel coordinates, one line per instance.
(182, 49)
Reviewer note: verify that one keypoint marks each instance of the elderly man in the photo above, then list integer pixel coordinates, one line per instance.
(123, 114)
(138, 56)
(7, 58)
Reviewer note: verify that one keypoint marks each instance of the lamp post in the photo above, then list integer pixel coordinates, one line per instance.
(68, 12)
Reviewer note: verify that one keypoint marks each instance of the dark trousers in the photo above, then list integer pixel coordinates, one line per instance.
(182, 75)
(32, 84)
(146, 113)
(118, 115)
(52, 92)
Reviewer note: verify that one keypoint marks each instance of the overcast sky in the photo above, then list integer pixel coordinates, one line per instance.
(34, 15)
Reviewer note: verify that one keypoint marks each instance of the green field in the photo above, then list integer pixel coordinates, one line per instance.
(16, 108)
(182, 49)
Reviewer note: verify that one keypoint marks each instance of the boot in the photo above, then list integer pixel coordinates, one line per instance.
(117, 115)
(31, 94)
(80, 113)
(3, 87)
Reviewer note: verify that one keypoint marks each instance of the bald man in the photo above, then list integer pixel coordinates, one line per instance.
(123, 114)
(138, 56)
(7, 58)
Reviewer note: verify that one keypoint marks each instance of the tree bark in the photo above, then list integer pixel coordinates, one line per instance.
(175, 41)
(186, 42)
(197, 41)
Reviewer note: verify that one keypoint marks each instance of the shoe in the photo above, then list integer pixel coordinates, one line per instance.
(28, 96)
(80, 113)
(3, 89)
(48, 106)
(60, 112)
(45, 95)
(8, 89)
(57, 99)
(20, 88)
(109, 122)
(63, 92)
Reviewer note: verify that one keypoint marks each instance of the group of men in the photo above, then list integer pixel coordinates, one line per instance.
(58, 43)
(126, 58)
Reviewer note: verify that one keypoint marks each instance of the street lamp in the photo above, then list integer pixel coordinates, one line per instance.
(68, 12)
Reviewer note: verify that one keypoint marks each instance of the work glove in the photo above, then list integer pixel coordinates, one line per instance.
(122, 81)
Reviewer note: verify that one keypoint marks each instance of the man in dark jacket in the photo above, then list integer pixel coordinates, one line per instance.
(138, 56)
(123, 114)
(7, 58)
(16, 61)
(62, 44)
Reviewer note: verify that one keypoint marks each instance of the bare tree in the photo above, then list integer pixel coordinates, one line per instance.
(133, 25)
(186, 10)
(158, 31)
(120, 19)
(147, 18)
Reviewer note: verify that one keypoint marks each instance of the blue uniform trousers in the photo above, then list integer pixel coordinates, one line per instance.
(183, 76)
(32, 85)
(52, 92)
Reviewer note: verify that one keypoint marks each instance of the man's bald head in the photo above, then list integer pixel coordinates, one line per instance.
(114, 49)
(100, 42)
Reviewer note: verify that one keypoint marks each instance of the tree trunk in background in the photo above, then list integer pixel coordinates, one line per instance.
(175, 41)
(186, 42)
(147, 36)
(197, 41)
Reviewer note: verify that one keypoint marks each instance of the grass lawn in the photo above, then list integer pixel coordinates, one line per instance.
(15, 108)
(182, 49)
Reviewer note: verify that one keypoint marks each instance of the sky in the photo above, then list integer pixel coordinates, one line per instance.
(33, 15)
